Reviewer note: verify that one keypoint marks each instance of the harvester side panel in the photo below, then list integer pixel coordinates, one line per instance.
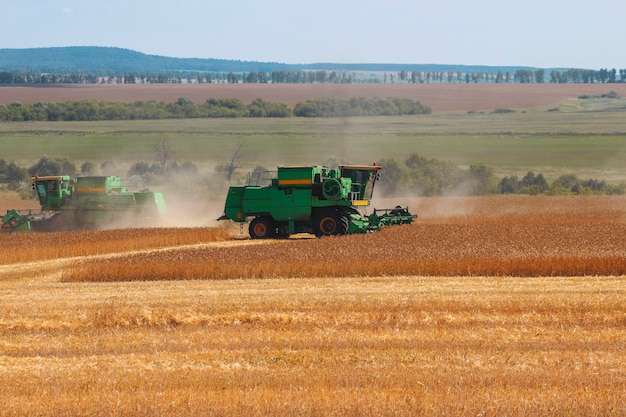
(256, 200)
(233, 209)
(290, 204)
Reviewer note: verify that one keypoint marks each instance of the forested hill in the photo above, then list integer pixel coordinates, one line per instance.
(98, 60)
(103, 60)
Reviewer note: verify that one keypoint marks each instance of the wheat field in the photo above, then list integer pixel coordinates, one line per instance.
(349, 346)
(321, 338)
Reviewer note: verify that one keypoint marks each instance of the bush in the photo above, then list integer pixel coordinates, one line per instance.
(428, 177)
(263, 108)
(89, 110)
(610, 94)
(13, 175)
(151, 174)
(88, 168)
(52, 166)
(331, 107)
(503, 111)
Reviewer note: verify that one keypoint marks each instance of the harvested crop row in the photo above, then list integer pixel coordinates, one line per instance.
(40, 246)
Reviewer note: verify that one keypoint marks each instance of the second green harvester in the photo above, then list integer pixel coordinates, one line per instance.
(310, 199)
(85, 203)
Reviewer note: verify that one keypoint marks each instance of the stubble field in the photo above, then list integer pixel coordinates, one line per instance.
(484, 306)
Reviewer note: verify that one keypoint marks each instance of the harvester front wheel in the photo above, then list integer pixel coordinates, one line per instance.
(262, 228)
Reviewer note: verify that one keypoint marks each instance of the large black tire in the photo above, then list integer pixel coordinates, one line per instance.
(345, 224)
(330, 222)
(262, 227)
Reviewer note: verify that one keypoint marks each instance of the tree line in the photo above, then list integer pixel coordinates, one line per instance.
(522, 76)
(416, 175)
(17, 178)
(93, 110)
(419, 175)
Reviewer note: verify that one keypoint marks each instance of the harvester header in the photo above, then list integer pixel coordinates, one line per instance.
(310, 199)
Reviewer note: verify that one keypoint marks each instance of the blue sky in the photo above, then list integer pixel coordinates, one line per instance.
(538, 33)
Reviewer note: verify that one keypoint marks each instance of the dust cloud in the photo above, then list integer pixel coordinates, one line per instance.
(191, 200)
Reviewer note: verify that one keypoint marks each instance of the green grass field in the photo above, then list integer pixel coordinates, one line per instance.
(584, 137)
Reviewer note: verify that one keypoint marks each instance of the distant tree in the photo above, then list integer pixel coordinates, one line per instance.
(430, 176)
(540, 76)
(224, 107)
(564, 184)
(109, 168)
(164, 151)
(482, 180)
(183, 107)
(392, 179)
(524, 76)
(13, 174)
(187, 168)
(534, 184)
(88, 168)
(140, 168)
(263, 108)
(509, 185)
(45, 166)
(233, 78)
(232, 166)
(52, 166)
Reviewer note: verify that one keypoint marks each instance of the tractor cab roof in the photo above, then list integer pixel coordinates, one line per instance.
(361, 167)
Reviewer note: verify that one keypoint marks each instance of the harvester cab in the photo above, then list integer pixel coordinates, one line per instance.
(310, 199)
(52, 191)
(362, 180)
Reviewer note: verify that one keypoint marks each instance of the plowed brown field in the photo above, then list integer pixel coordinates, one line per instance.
(440, 97)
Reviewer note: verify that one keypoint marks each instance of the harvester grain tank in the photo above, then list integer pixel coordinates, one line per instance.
(310, 199)
(85, 203)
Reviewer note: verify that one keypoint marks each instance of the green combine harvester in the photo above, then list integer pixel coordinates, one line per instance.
(85, 203)
(310, 199)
